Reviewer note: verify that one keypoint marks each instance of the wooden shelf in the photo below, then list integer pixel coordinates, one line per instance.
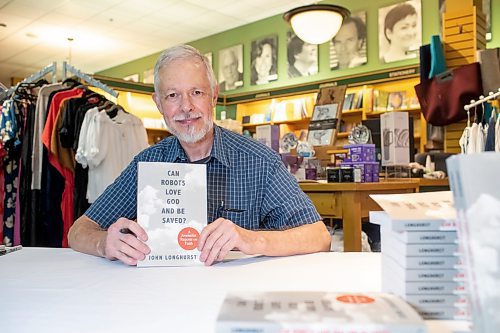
(301, 122)
(376, 114)
(353, 112)
(337, 151)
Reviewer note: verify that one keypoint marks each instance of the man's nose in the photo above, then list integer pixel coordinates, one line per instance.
(186, 103)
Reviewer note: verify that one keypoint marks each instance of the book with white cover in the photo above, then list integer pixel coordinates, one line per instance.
(416, 211)
(393, 268)
(431, 301)
(412, 237)
(172, 208)
(426, 262)
(413, 250)
(317, 312)
(396, 285)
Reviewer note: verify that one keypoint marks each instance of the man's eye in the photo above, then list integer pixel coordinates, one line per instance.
(197, 93)
(171, 95)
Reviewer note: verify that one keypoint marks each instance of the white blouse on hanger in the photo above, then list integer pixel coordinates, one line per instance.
(108, 146)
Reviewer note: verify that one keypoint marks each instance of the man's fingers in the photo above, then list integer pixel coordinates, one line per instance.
(214, 251)
(207, 231)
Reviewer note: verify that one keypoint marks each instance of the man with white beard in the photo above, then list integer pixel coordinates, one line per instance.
(265, 211)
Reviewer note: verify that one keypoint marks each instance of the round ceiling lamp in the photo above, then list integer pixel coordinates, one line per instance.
(316, 24)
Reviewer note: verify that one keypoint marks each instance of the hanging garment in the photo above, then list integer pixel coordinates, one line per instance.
(497, 135)
(41, 110)
(109, 147)
(490, 69)
(490, 135)
(50, 126)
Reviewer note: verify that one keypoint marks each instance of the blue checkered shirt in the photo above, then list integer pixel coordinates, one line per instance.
(257, 190)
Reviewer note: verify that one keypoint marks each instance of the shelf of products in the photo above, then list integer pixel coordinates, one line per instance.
(361, 102)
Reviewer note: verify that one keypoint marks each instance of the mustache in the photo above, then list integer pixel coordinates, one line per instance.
(187, 116)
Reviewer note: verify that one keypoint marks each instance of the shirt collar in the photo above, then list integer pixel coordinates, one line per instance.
(217, 152)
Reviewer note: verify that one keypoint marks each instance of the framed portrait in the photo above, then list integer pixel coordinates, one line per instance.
(348, 47)
(302, 57)
(400, 31)
(149, 76)
(208, 55)
(231, 68)
(132, 77)
(264, 60)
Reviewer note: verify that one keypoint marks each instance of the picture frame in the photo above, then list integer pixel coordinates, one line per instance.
(348, 49)
(400, 31)
(148, 76)
(302, 57)
(132, 77)
(209, 57)
(231, 68)
(264, 60)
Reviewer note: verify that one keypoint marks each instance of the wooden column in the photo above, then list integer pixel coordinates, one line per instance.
(464, 32)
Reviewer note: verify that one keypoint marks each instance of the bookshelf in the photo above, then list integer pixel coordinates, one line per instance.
(372, 106)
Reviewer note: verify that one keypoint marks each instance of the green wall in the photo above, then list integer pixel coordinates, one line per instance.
(275, 25)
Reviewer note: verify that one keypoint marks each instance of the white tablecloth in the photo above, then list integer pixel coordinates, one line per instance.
(60, 290)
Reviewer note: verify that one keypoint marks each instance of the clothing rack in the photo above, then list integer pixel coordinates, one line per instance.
(52, 68)
(482, 99)
(87, 78)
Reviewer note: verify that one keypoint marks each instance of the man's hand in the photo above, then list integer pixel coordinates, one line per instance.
(125, 242)
(220, 237)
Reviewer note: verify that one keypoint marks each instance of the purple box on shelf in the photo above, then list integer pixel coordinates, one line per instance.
(369, 170)
(361, 152)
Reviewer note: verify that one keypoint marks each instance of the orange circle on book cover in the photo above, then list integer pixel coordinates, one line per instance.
(355, 299)
(188, 238)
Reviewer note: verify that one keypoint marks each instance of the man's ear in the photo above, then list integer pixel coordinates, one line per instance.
(156, 99)
(215, 95)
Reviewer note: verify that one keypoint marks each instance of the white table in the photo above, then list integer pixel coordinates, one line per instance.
(59, 290)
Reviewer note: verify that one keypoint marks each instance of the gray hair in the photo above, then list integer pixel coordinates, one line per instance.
(182, 52)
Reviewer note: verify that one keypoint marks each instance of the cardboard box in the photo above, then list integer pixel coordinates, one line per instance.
(361, 153)
(269, 135)
(394, 127)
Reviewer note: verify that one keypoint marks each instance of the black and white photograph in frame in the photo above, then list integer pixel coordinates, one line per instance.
(231, 68)
(400, 31)
(264, 60)
(208, 55)
(348, 46)
(302, 56)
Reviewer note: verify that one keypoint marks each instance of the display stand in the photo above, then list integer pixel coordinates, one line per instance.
(49, 69)
(87, 78)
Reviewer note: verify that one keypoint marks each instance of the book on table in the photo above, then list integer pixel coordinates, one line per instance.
(317, 312)
(172, 208)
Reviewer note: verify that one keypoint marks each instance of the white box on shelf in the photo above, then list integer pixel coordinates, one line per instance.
(269, 135)
(394, 127)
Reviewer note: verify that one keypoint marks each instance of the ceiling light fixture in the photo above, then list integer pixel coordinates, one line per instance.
(316, 24)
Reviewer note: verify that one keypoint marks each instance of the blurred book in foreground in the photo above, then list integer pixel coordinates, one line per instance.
(317, 312)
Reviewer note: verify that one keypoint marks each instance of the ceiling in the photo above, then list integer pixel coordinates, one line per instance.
(106, 33)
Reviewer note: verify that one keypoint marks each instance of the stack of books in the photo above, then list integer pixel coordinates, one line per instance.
(421, 261)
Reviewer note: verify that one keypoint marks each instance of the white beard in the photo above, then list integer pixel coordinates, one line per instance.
(191, 136)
